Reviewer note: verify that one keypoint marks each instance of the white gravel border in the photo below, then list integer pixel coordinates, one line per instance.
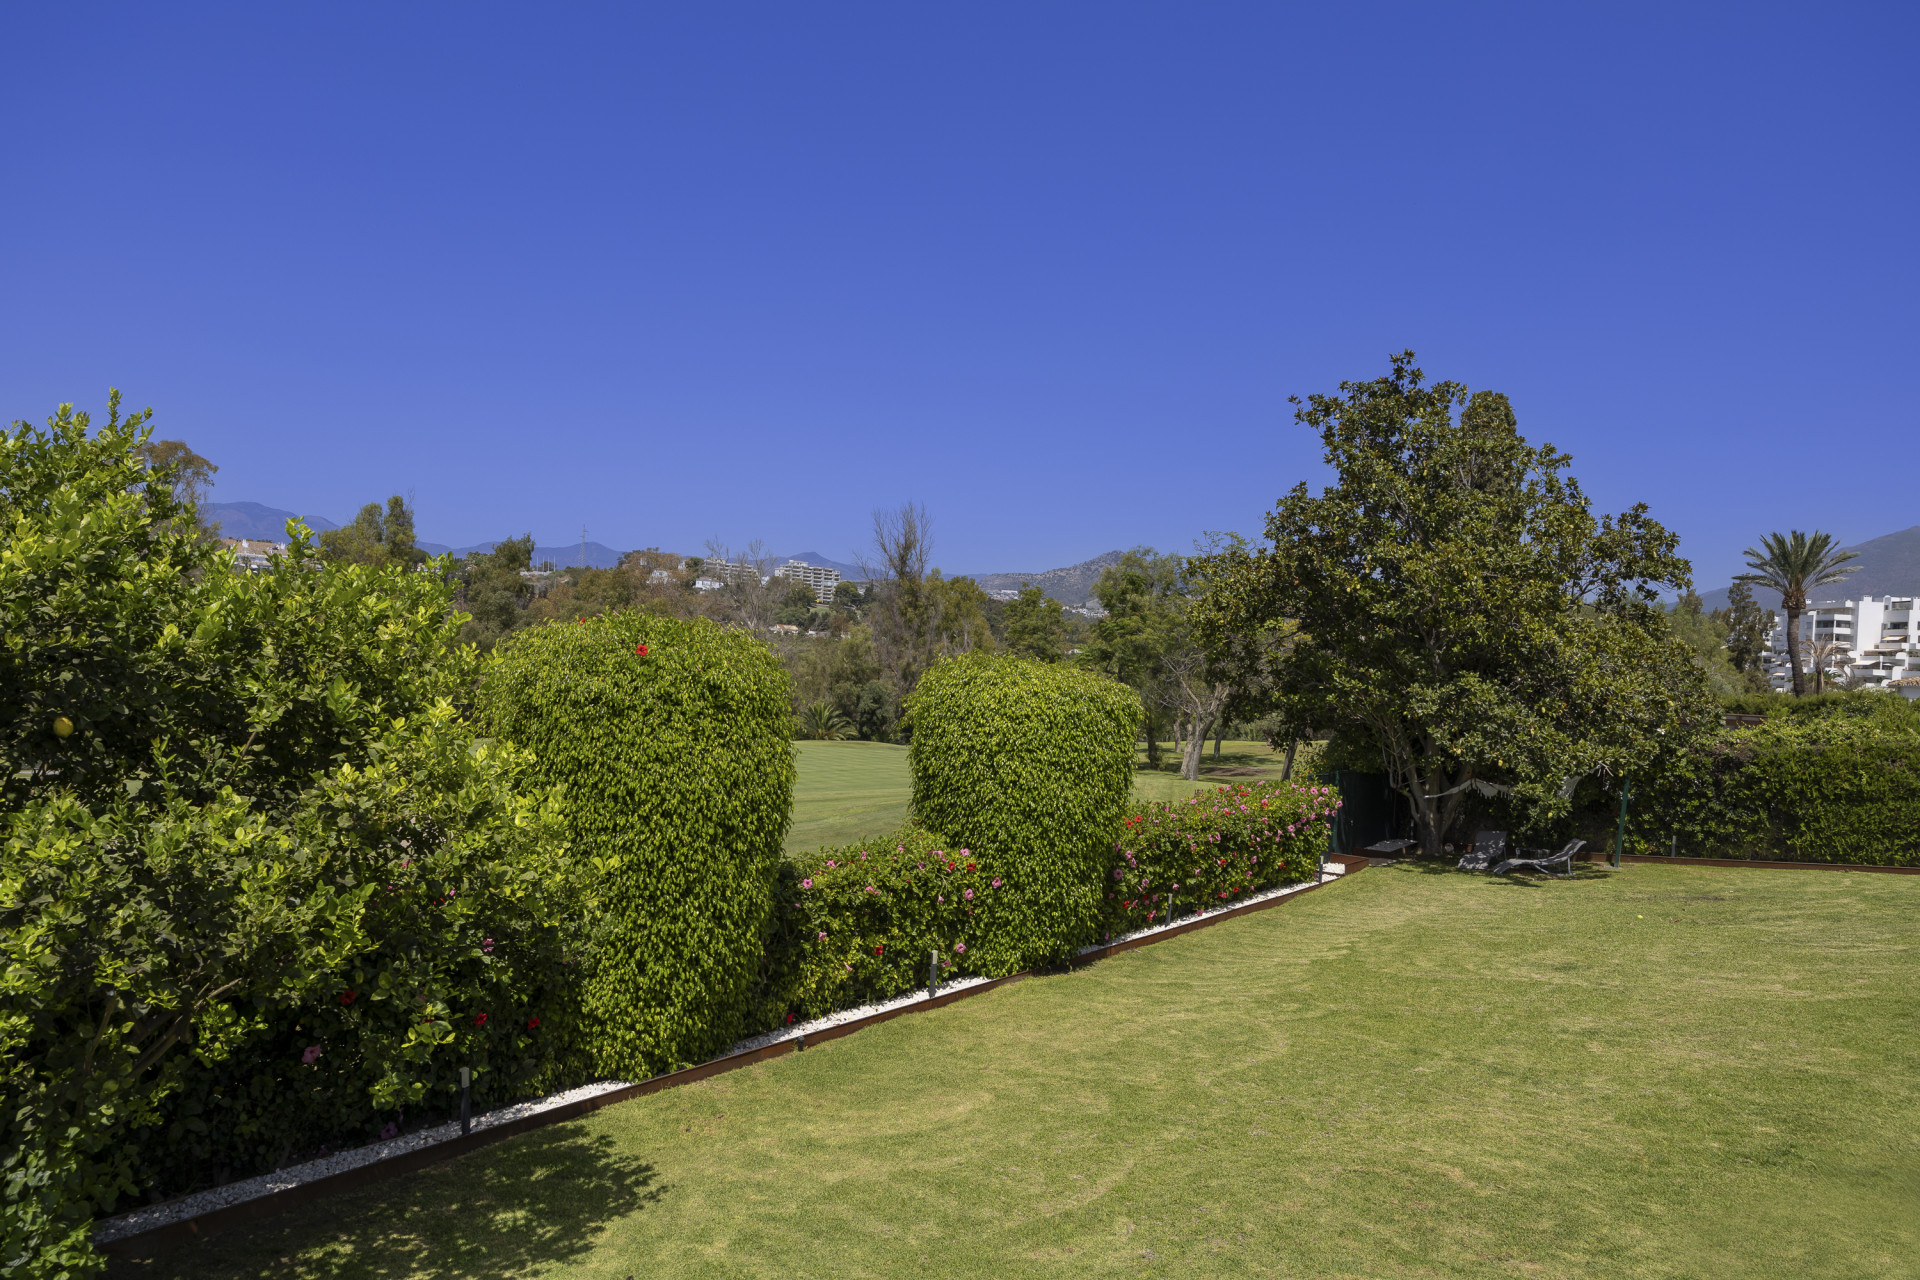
(148, 1217)
(1334, 871)
(192, 1206)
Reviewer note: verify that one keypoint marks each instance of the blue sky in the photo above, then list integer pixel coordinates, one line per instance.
(747, 271)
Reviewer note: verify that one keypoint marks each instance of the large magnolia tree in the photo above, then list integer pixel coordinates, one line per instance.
(1456, 600)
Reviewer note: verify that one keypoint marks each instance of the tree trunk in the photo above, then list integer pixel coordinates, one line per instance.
(1196, 747)
(1219, 736)
(1153, 743)
(1793, 652)
(1286, 770)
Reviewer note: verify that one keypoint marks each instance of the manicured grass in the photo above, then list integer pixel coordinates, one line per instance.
(847, 791)
(1239, 761)
(1664, 1071)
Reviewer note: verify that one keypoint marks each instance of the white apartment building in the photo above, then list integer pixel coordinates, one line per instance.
(822, 580)
(1874, 642)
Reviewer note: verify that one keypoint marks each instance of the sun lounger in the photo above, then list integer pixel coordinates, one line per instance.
(1545, 864)
(1489, 847)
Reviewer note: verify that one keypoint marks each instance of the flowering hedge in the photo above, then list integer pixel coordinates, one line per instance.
(1030, 765)
(860, 924)
(671, 739)
(1214, 848)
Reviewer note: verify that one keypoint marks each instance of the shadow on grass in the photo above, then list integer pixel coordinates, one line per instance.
(512, 1210)
(1519, 880)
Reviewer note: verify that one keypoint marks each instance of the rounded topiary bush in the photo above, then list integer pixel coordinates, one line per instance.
(671, 739)
(1029, 766)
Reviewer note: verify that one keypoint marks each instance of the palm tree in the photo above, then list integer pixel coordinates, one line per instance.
(1823, 656)
(823, 723)
(1794, 564)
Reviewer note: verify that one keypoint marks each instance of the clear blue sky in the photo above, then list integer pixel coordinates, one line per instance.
(753, 270)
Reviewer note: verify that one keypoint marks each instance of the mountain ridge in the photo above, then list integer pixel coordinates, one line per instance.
(1889, 565)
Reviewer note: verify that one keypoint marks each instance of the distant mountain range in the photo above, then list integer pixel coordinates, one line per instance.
(251, 520)
(269, 524)
(1072, 586)
(1889, 565)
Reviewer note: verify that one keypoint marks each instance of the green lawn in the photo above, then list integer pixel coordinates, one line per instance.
(847, 791)
(1664, 1071)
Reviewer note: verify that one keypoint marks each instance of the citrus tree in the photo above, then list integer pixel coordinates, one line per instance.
(247, 836)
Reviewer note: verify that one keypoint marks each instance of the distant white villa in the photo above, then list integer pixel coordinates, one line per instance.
(253, 554)
(1873, 639)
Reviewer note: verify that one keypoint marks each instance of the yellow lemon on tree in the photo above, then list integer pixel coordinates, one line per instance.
(62, 727)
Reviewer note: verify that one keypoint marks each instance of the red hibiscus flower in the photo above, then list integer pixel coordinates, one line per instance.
(347, 997)
(480, 1021)
(640, 649)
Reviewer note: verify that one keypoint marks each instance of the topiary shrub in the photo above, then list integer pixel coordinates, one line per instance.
(1029, 765)
(1206, 851)
(671, 740)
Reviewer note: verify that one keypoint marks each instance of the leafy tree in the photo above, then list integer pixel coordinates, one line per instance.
(1794, 564)
(237, 810)
(1035, 628)
(847, 599)
(1706, 635)
(961, 609)
(375, 538)
(493, 591)
(192, 475)
(1458, 603)
(796, 606)
(1747, 628)
(1142, 624)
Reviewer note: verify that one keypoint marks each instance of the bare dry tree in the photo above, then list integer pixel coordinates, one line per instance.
(905, 612)
(751, 595)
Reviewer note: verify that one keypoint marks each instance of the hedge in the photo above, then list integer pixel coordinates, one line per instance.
(1203, 852)
(260, 889)
(671, 740)
(861, 924)
(1838, 788)
(1029, 765)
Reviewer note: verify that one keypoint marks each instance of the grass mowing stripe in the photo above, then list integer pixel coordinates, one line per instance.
(1658, 1072)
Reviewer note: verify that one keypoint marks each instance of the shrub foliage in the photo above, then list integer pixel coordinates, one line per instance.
(1204, 852)
(259, 888)
(1843, 786)
(862, 923)
(1029, 765)
(671, 739)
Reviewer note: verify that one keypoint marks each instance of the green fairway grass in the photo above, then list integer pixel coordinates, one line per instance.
(847, 791)
(1656, 1072)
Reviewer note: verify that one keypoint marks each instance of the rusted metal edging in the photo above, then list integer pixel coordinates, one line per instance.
(213, 1221)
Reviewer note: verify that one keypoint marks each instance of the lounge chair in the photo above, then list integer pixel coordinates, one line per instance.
(1545, 863)
(1489, 847)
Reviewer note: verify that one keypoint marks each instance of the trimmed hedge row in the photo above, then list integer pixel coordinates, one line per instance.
(859, 924)
(1030, 765)
(672, 740)
(1213, 848)
(1819, 790)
